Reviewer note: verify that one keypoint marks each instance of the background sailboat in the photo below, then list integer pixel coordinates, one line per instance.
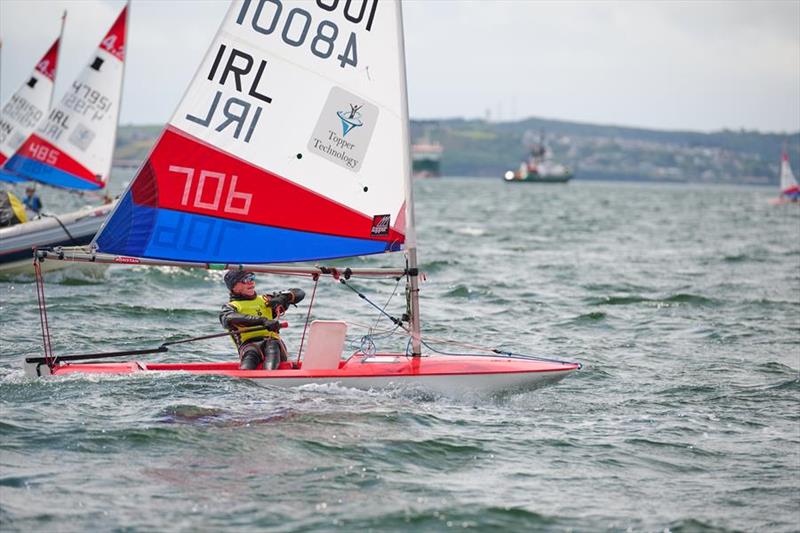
(292, 144)
(790, 191)
(72, 148)
(29, 105)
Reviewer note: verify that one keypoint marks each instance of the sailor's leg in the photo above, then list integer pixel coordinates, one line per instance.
(272, 354)
(250, 356)
(284, 351)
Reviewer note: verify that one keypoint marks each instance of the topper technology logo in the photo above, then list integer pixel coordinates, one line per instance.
(380, 225)
(350, 119)
(344, 129)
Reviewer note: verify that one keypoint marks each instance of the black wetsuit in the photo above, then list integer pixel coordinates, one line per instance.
(258, 349)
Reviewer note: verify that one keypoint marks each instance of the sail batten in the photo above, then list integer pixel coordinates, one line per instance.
(288, 144)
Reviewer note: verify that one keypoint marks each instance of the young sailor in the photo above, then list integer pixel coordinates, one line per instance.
(247, 309)
(32, 200)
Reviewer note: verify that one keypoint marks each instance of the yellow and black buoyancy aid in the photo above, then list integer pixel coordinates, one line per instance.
(11, 210)
(258, 306)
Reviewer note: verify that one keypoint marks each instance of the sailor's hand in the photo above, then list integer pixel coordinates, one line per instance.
(297, 295)
(271, 325)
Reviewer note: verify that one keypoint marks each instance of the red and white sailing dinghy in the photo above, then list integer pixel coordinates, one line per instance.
(790, 190)
(28, 106)
(291, 145)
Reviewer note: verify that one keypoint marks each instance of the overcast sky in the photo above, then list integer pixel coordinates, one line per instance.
(665, 65)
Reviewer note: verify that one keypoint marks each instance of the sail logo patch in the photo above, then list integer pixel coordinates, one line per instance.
(81, 137)
(344, 129)
(380, 225)
(350, 119)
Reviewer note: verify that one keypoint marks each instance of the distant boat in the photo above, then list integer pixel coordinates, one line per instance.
(790, 191)
(71, 148)
(539, 167)
(426, 159)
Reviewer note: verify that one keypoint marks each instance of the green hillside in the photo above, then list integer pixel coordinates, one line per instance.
(481, 148)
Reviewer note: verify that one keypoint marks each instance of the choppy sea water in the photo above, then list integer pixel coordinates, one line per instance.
(682, 302)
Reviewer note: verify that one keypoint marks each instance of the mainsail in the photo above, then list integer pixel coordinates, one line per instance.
(789, 186)
(27, 107)
(290, 143)
(73, 146)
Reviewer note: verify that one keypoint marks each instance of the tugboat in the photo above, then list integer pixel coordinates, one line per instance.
(539, 167)
(426, 159)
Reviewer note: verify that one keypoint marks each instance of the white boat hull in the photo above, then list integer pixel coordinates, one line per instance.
(449, 385)
(76, 228)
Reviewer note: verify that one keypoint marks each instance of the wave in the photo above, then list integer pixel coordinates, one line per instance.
(469, 517)
(694, 525)
(675, 299)
(435, 266)
(594, 316)
(471, 293)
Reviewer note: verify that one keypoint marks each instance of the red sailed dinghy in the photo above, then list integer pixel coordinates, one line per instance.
(293, 134)
(26, 107)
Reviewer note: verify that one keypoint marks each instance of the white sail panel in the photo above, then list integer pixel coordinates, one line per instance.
(298, 83)
(788, 182)
(291, 131)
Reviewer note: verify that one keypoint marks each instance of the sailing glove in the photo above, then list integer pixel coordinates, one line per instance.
(271, 325)
(292, 296)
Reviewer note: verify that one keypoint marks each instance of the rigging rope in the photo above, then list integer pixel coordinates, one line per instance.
(48, 348)
(394, 292)
(71, 238)
(308, 316)
(397, 321)
(490, 352)
(367, 342)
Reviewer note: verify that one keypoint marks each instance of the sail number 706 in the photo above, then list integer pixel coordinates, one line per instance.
(216, 184)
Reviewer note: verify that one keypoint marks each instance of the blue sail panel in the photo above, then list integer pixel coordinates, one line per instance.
(36, 170)
(10, 176)
(142, 231)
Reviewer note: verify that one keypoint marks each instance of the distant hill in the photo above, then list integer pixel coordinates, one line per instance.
(481, 148)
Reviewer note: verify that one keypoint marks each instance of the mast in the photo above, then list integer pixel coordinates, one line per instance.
(411, 233)
(119, 99)
(58, 53)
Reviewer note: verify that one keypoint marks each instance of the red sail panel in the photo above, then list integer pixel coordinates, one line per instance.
(38, 149)
(193, 177)
(114, 41)
(47, 65)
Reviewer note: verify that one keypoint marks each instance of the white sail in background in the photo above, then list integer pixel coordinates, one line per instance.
(73, 146)
(289, 137)
(789, 185)
(22, 112)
